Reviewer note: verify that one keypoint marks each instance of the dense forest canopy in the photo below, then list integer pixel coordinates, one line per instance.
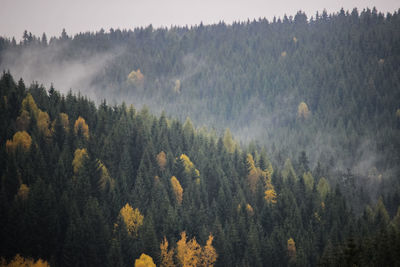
(306, 173)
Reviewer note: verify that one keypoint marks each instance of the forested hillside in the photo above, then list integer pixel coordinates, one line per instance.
(260, 143)
(249, 76)
(98, 186)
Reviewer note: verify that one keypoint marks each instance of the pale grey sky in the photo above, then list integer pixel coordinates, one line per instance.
(51, 16)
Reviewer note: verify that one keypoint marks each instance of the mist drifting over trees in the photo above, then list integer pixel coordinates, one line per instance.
(247, 144)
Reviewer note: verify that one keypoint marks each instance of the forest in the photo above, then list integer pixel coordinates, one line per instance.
(259, 143)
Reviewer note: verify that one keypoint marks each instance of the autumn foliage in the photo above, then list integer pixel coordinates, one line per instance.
(20, 139)
(209, 255)
(323, 187)
(105, 179)
(162, 160)
(189, 166)
(177, 188)
(270, 196)
(190, 253)
(144, 261)
(29, 105)
(23, 192)
(79, 157)
(19, 261)
(81, 127)
(166, 256)
(30, 110)
(133, 219)
(43, 123)
(302, 111)
(291, 248)
(136, 77)
(254, 173)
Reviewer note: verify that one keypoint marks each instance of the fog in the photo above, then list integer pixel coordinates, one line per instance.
(75, 16)
(46, 66)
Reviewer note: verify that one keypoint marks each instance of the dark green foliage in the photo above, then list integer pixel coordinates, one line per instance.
(333, 64)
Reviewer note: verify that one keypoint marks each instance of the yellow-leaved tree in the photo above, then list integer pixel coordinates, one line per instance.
(144, 261)
(105, 179)
(80, 127)
(79, 157)
(308, 180)
(189, 166)
(20, 139)
(23, 192)
(135, 77)
(323, 187)
(20, 261)
(133, 219)
(302, 111)
(188, 253)
(64, 121)
(30, 110)
(43, 122)
(270, 195)
(161, 160)
(249, 209)
(178, 190)
(166, 256)
(291, 248)
(209, 255)
(254, 174)
(29, 105)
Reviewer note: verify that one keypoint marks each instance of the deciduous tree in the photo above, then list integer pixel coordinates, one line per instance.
(177, 188)
(80, 127)
(20, 139)
(78, 160)
(144, 261)
(133, 219)
(209, 254)
(167, 256)
(162, 160)
(188, 253)
(302, 111)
